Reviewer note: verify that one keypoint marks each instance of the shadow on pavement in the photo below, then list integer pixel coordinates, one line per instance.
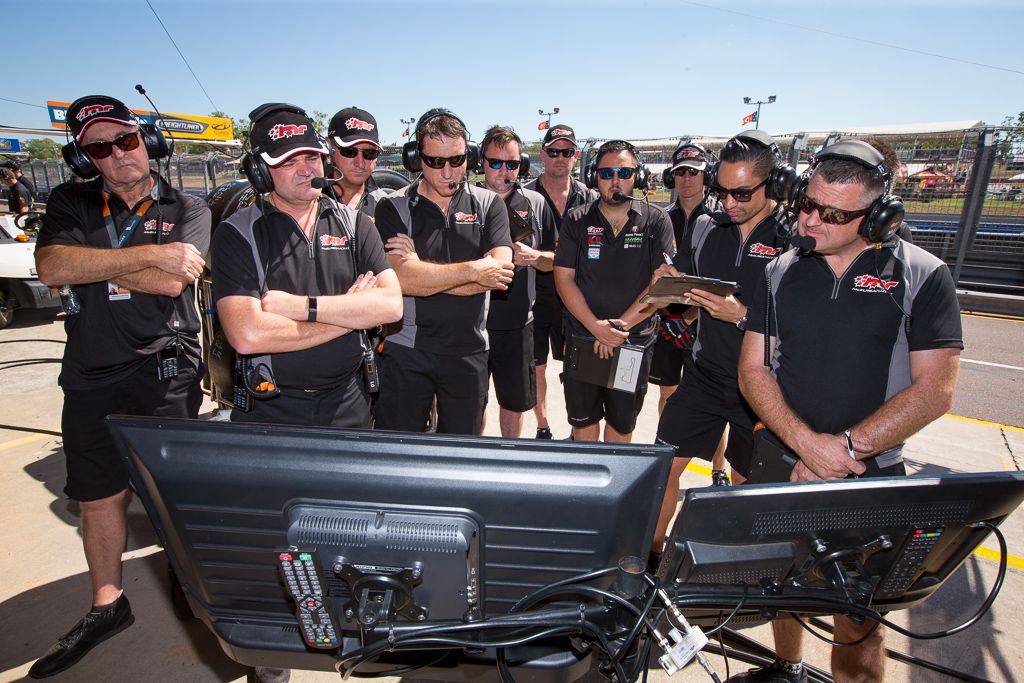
(50, 471)
(158, 647)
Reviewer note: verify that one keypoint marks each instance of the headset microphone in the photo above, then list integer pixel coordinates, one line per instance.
(802, 242)
(142, 91)
(320, 183)
(621, 197)
(452, 186)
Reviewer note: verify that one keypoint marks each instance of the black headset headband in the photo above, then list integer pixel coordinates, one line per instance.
(431, 114)
(264, 110)
(762, 139)
(860, 153)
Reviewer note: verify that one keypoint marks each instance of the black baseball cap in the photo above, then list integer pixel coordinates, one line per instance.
(352, 125)
(90, 109)
(283, 133)
(559, 132)
(689, 155)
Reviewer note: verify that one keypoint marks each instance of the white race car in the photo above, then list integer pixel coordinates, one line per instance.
(19, 286)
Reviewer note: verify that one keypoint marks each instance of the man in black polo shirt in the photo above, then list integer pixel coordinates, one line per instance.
(866, 344)
(510, 318)
(732, 245)
(355, 146)
(296, 277)
(562, 193)
(30, 187)
(449, 243)
(19, 201)
(131, 248)
(675, 334)
(607, 253)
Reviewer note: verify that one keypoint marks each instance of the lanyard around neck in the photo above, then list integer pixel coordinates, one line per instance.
(129, 227)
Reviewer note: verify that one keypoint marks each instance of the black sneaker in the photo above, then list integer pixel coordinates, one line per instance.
(92, 630)
(719, 478)
(771, 674)
(544, 433)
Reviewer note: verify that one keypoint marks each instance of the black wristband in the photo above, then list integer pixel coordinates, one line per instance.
(311, 304)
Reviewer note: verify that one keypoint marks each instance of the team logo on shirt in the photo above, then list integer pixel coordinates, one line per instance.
(286, 130)
(461, 217)
(560, 131)
(870, 283)
(595, 230)
(333, 242)
(764, 251)
(358, 124)
(594, 239)
(92, 110)
(149, 227)
(523, 214)
(633, 241)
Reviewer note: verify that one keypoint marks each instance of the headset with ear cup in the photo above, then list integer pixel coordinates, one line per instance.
(781, 177)
(642, 176)
(253, 166)
(668, 176)
(82, 165)
(411, 159)
(887, 211)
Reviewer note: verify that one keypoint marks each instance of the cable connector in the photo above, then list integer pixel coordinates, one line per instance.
(683, 649)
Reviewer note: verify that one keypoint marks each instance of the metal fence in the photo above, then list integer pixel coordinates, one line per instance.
(963, 190)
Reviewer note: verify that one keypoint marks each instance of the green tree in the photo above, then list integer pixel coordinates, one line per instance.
(320, 122)
(1012, 140)
(41, 148)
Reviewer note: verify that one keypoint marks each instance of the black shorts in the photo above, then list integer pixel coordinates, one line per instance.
(345, 405)
(695, 417)
(95, 468)
(667, 363)
(547, 328)
(510, 363)
(411, 378)
(587, 404)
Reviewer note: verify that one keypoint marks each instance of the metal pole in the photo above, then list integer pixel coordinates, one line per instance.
(181, 181)
(757, 116)
(981, 172)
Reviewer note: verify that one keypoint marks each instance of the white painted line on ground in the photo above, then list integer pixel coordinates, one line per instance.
(994, 365)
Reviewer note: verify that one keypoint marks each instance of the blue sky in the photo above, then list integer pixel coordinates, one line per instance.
(615, 69)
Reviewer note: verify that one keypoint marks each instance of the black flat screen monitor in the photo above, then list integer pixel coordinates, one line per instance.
(908, 534)
(439, 528)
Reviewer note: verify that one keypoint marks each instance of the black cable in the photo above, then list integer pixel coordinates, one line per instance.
(404, 669)
(528, 599)
(198, 82)
(835, 643)
(732, 615)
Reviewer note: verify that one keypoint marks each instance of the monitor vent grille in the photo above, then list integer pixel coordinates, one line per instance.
(731, 577)
(319, 530)
(789, 521)
(426, 536)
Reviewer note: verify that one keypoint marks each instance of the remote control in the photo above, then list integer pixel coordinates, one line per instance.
(303, 583)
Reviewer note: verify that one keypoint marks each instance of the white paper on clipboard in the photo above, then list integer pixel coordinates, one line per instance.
(627, 370)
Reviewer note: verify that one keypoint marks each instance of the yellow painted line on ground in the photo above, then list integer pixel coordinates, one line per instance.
(980, 551)
(24, 440)
(976, 421)
(1011, 319)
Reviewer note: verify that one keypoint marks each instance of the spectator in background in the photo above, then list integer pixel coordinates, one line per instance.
(562, 193)
(19, 201)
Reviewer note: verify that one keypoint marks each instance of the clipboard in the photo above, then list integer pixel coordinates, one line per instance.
(676, 290)
(621, 372)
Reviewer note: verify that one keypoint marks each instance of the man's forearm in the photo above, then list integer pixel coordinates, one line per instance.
(765, 397)
(260, 332)
(420, 278)
(361, 310)
(152, 281)
(927, 398)
(59, 264)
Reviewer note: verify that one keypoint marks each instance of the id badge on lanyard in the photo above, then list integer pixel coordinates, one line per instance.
(116, 292)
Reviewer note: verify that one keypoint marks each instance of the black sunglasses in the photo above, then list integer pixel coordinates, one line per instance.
(608, 173)
(102, 150)
(830, 214)
(742, 194)
(567, 152)
(351, 152)
(686, 170)
(439, 162)
(496, 164)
